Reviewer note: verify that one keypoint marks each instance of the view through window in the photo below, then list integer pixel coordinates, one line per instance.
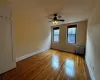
(56, 34)
(71, 34)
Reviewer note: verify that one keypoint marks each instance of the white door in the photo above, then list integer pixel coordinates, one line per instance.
(7, 60)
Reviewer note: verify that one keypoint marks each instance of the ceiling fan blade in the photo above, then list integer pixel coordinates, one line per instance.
(59, 16)
(50, 21)
(61, 20)
(50, 18)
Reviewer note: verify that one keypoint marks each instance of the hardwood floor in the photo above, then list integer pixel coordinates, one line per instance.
(50, 65)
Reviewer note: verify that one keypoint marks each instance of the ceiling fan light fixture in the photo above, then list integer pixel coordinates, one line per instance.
(55, 22)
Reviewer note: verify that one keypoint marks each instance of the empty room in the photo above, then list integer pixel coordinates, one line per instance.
(49, 40)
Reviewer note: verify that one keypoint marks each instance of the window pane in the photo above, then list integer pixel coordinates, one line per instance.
(72, 35)
(71, 38)
(72, 30)
(56, 35)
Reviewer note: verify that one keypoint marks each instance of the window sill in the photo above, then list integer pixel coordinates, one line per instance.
(71, 44)
(55, 42)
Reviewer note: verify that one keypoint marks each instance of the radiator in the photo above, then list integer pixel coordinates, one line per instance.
(80, 50)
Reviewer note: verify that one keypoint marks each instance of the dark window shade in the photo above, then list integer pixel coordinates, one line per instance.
(71, 26)
(55, 28)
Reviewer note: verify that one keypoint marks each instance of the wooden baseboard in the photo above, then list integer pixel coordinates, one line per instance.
(62, 50)
(82, 55)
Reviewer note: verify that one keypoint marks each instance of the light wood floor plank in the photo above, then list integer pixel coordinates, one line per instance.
(50, 65)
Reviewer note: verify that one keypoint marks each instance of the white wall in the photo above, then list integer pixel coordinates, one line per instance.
(93, 42)
(80, 37)
(31, 30)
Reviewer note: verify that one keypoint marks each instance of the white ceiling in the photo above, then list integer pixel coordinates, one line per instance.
(70, 10)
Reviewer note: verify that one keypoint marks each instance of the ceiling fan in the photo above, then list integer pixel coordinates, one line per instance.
(56, 18)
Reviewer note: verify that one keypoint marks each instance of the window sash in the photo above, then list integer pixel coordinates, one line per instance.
(68, 34)
(56, 38)
(55, 35)
(74, 39)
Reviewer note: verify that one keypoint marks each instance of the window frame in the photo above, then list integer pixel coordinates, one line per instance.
(72, 26)
(56, 28)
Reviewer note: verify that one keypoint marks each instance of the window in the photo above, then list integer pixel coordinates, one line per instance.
(71, 34)
(56, 34)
